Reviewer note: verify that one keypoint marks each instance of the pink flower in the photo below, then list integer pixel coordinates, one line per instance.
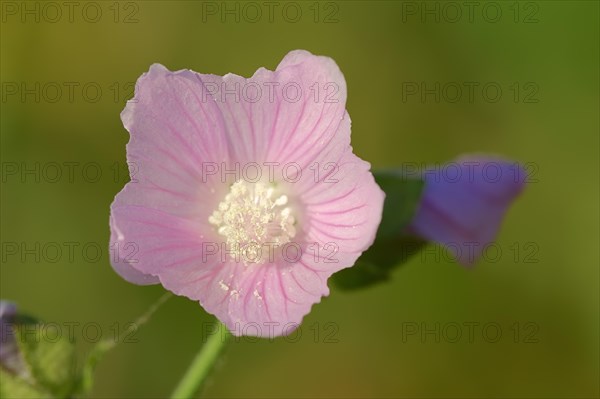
(245, 193)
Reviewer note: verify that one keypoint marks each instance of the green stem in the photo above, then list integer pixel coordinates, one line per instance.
(202, 364)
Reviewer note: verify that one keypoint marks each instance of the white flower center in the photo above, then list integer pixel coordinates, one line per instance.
(254, 219)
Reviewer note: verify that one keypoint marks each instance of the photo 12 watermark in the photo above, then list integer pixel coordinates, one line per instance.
(72, 12)
(471, 251)
(74, 331)
(269, 172)
(318, 332)
(470, 92)
(469, 332)
(69, 172)
(66, 92)
(63, 252)
(252, 92)
(251, 12)
(471, 171)
(470, 12)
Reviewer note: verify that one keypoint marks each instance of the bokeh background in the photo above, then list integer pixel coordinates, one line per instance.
(545, 284)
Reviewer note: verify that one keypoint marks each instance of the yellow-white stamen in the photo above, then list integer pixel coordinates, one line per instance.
(254, 219)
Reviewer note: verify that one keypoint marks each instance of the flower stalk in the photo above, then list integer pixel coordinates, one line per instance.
(202, 364)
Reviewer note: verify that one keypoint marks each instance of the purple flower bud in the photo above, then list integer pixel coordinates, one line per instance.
(463, 203)
(10, 357)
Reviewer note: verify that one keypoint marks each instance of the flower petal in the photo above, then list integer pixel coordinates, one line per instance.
(288, 115)
(174, 134)
(345, 206)
(178, 252)
(120, 261)
(152, 241)
(310, 130)
(273, 298)
(176, 131)
(464, 202)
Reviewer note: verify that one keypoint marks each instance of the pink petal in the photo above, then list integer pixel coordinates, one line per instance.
(120, 259)
(288, 115)
(345, 208)
(317, 128)
(175, 132)
(272, 299)
(173, 249)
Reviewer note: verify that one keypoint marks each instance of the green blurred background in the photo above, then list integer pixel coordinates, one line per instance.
(546, 280)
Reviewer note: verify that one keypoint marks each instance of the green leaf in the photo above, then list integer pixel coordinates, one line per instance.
(392, 245)
(401, 201)
(50, 358)
(14, 387)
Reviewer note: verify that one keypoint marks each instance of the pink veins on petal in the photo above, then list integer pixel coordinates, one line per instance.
(246, 194)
